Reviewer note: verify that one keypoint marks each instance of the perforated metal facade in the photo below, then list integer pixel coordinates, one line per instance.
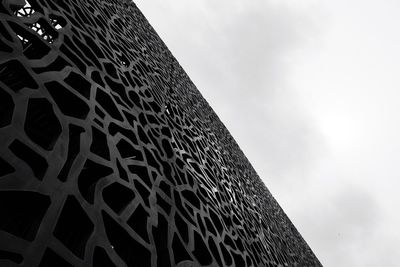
(110, 156)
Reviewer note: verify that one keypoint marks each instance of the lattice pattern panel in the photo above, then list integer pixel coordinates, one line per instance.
(110, 156)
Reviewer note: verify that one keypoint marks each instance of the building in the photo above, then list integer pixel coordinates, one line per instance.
(110, 156)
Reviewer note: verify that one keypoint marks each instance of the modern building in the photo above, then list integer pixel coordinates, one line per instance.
(110, 156)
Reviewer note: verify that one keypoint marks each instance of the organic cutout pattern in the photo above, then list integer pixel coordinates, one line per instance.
(111, 156)
(74, 227)
(36, 162)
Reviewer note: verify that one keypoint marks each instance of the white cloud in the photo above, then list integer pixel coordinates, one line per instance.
(309, 89)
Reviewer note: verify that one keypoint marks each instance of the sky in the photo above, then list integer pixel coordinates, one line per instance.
(310, 90)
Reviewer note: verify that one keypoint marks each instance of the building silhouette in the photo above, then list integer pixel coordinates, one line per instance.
(110, 156)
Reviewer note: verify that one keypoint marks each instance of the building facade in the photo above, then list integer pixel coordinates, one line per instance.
(110, 156)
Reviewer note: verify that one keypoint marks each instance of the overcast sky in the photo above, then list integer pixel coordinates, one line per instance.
(310, 89)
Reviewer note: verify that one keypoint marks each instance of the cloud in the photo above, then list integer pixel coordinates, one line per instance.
(344, 228)
(242, 55)
(238, 55)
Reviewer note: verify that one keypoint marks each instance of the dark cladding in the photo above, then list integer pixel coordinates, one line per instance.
(110, 156)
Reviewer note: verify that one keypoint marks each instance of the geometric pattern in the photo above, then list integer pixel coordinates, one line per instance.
(110, 156)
